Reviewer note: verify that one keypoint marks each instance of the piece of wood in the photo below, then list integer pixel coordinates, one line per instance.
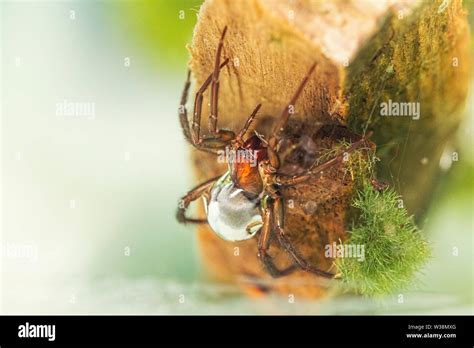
(367, 52)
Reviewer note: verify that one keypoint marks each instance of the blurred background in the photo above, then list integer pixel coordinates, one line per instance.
(93, 164)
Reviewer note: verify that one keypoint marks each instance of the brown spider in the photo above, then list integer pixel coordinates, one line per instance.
(246, 200)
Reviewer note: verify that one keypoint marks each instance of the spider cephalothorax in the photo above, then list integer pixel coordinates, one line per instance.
(243, 165)
(247, 199)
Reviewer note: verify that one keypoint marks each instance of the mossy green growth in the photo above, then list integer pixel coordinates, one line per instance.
(359, 165)
(413, 58)
(394, 248)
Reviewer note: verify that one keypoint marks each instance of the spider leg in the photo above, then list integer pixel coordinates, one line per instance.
(272, 148)
(215, 86)
(285, 114)
(314, 170)
(183, 113)
(191, 196)
(279, 213)
(249, 121)
(264, 245)
(210, 143)
(192, 135)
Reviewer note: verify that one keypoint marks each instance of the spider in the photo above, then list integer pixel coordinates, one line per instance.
(246, 201)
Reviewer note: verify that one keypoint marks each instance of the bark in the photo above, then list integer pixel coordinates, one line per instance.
(367, 52)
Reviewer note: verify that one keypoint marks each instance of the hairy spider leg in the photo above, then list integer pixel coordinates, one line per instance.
(193, 137)
(191, 196)
(215, 86)
(316, 169)
(283, 119)
(264, 245)
(247, 124)
(279, 216)
(183, 113)
(217, 139)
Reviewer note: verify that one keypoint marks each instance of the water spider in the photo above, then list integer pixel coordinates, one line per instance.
(247, 201)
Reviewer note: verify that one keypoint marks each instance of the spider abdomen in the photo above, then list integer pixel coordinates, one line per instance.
(230, 211)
